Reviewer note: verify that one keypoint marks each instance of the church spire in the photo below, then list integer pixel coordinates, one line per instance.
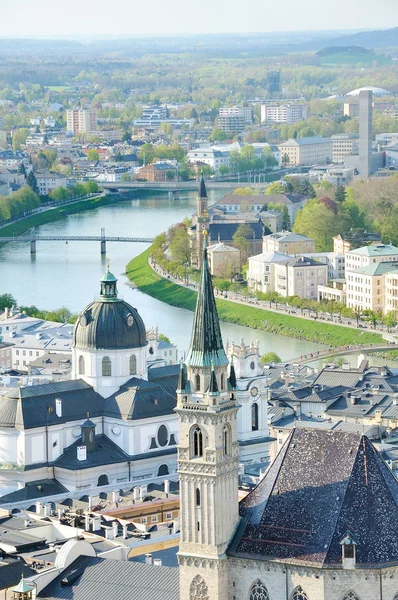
(202, 188)
(206, 341)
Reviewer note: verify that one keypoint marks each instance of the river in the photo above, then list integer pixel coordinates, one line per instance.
(64, 274)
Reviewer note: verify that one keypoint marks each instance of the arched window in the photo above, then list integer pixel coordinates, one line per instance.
(197, 497)
(299, 594)
(163, 436)
(353, 596)
(197, 442)
(133, 364)
(106, 367)
(197, 383)
(222, 381)
(82, 369)
(254, 416)
(103, 480)
(258, 591)
(198, 589)
(163, 470)
(226, 434)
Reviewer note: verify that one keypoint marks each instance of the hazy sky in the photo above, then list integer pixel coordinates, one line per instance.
(95, 17)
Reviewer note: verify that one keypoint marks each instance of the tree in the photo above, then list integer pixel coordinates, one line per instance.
(390, 319)
(242, 239)
(164, 338)
(274, 188)
(285, 160)
(179, 246)
(92, 154)
(270, 357)
(340, 193)
(246, 191)
(19, 138)
(316, 221)
(224, 170)
(51, 155)
(6, 301)
(91, 187)
(32, 182)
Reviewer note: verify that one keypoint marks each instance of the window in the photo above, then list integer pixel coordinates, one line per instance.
(163, 436)
(198, 589)
(163, 470)
(82, 369)
(226, 433)
(348, 550)
(254, 416)
(258, 591)
(222, 381)
(133, 364)
(197, 383)
(197, 497)
(197, 445)
(353, 596)
(252, 366)
(154, 518)
(169, 516)
(143, 520)
(299, 594)
(106, 367)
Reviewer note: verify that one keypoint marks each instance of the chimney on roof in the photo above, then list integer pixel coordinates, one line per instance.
(297, 410)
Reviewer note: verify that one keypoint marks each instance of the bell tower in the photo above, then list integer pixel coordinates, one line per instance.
(202, 218)
(207, 454)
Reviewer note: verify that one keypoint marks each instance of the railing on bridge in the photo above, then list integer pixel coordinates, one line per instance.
(33, 238)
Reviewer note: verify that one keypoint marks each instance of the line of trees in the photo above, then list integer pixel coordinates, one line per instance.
(16, 204)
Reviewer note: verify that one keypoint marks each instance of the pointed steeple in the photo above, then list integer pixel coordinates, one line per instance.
(182, 378)
(202, 193)
(213, 387)
(206, 341)
(232, 377)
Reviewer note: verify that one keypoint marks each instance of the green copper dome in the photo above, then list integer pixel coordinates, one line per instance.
(109, 323)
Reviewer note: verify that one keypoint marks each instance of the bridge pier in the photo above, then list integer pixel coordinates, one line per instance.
(33, 241)
(103, 242)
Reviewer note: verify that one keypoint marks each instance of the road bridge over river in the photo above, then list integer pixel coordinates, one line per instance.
(32, 238)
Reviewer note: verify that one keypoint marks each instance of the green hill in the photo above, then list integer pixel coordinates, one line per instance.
(349, 55)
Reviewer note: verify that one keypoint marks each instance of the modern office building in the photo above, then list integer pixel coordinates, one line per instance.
(344, 144)
(306, 151)
(283, 113)
(237, 111)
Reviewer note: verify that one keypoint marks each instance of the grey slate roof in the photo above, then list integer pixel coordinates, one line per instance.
(11, 571)
(28, 407)
(140, 399)
(105, 453)
(226, 231)
(105, 579)
(206, 342)
(321, 484)
(34, 490)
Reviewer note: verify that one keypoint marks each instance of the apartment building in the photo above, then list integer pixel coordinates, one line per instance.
(81, 120)
(306, 151)
(288, 243)
(237, 111)
(370, 255)
(344, 144)
(283, 113)
(232, 123)
(49, 180)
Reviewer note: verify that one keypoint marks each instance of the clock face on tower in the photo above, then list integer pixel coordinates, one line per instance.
(254, 391)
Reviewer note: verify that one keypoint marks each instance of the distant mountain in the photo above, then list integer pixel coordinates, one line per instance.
(384, 38)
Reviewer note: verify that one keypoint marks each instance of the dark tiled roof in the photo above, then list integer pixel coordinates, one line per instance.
(105, 453)
(34, 490)
(140, 399)
(104, 579)
(206, 342)
(28, 407)
(225, 231)
(321, 484)
(202, 192)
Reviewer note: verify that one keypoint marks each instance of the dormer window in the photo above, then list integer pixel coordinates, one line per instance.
(348, 551)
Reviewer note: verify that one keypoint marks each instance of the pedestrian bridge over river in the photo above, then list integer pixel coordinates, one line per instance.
(32, 238)
(343, 350)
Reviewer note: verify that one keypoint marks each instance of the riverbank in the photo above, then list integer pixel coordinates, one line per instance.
(58, 212)
(147, 281)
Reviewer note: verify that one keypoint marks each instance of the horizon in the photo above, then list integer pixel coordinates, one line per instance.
(122, 18)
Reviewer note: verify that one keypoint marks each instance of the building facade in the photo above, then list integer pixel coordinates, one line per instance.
(81, 120)
(306, 151)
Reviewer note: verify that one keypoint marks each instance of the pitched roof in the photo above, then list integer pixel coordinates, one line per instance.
(376, 250)
(320, 484)
(141, 399)
(103, 579)
(206, 342)
(34, 490)
(106, 452)
(225, 231)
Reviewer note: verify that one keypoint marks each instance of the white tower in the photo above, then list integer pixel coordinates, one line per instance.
(207, 454)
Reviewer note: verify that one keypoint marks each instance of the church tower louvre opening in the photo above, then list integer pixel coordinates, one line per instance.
(207, 455)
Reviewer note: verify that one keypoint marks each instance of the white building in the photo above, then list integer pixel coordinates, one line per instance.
(344, 144)
(49, 180)
(244, 112)
(283, 113)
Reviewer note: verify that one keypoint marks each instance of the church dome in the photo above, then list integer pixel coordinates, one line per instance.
(109, 323)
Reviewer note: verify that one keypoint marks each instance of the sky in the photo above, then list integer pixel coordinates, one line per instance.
(123, 17)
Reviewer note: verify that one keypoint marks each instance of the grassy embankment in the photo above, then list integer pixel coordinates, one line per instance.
(19, 227)
(140, 273)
